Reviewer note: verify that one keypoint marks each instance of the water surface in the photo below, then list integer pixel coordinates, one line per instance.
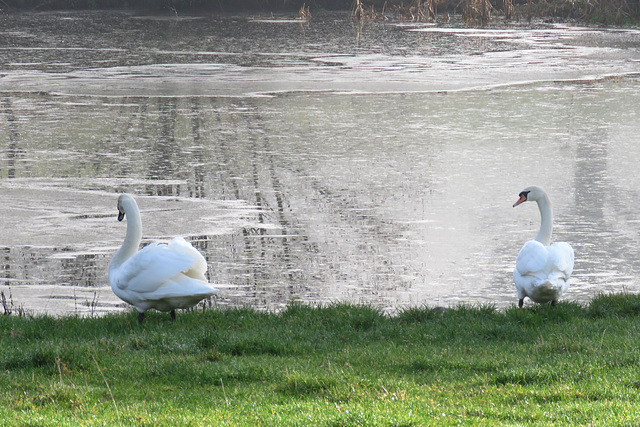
(314, 162)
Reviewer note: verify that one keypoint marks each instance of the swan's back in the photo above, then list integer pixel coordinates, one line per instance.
(542, 272)
(164, 276)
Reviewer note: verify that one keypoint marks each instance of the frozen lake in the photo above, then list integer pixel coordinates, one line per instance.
(315, 162)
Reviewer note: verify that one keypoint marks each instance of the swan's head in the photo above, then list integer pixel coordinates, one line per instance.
(532, 193)
(123, 200)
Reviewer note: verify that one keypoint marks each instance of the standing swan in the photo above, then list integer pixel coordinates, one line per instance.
(164, 276)
(542, 271)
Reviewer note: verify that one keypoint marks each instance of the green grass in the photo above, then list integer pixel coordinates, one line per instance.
(338, 365)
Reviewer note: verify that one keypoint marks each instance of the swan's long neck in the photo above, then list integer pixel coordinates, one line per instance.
(546, 223)
(132, 238)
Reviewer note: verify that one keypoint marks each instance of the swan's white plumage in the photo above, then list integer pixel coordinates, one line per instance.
(148, 270)
(164, 276)
(542, 270)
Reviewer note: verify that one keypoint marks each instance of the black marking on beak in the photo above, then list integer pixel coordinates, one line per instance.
(523, 198)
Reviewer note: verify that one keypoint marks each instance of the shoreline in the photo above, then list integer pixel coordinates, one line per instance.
(473, 12)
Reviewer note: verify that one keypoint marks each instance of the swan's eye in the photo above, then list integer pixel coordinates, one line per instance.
(524, 194)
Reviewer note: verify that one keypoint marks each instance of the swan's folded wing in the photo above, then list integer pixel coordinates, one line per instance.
(152, 266)
(198, 268)
(532, 258)
(561, 258)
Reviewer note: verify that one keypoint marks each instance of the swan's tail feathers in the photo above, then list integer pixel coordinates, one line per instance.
(182, 297)
(189, 286)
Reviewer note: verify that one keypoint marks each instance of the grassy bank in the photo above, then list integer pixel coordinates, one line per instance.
(329, 366)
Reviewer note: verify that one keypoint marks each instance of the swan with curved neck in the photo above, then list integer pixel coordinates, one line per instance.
(163, 276)
(127, 205)
(543, 269)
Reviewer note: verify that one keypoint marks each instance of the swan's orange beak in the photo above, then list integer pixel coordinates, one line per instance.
(120, 216)
(523, 198)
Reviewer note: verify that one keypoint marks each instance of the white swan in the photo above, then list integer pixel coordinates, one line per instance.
(164, 276)
(542, 271)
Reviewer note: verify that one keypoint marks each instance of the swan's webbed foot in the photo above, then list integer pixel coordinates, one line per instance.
(140, 317)
(554, 302)
(521, 302)
(173, 315)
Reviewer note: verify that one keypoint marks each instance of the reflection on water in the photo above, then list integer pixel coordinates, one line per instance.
(388, 197)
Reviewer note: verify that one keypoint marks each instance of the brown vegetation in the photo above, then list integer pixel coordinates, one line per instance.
(482, 11)
(473, 11)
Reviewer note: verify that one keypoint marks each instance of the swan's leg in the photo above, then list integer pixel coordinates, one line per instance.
(173, 315)
(554, 302)
(521, 303)
(140, 317)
